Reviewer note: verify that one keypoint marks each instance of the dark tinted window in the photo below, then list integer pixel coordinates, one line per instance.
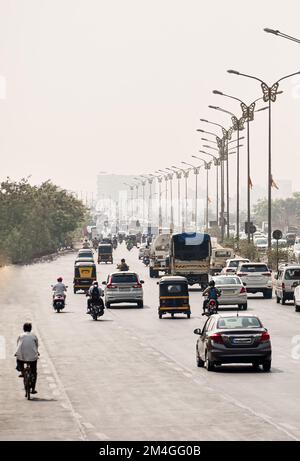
(222, 254)
(191, 246)
(124, 278)
(174, 289)
(254, 268)
(292, 274)
(238, 322)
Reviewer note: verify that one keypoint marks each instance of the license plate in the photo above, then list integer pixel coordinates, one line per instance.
(227, 292)
(241, 340)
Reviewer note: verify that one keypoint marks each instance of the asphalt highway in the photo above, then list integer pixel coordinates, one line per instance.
(132, 376)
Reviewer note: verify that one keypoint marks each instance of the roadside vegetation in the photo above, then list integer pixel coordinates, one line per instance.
(36, 220)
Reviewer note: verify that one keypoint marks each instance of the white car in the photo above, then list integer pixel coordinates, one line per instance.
(296, 252)
(142, 249)
(232, 265)
(261, 243)
(258, 278)
(297, 297)
(233, 291)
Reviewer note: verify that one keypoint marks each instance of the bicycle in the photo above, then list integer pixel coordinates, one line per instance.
(28, 379)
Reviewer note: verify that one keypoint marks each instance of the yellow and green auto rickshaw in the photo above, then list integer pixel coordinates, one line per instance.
(173, 296)
(105, 253)
(84, 275)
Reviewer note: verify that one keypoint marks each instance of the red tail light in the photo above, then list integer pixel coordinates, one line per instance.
(217, 338)
(267, 274)
(241, 274)
(110, 285)
(243, 290)
(212, 302)
(137, 285)
(265, 337)
(283, 286)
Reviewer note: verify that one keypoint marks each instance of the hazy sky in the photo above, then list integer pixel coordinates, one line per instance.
(120, 85)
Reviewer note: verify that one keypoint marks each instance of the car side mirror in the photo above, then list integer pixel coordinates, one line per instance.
(157, 283)
(295, 284)
(142, 281)
(270, 271)
(198, 331)
(245, 284)
(103, 283)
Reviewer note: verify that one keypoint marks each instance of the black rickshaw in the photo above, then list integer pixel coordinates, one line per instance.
(173, 296)
(105, 251)
(84, 275)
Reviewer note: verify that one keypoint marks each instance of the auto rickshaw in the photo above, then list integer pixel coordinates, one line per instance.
(84, 275)
(173, 296)
(105, 253)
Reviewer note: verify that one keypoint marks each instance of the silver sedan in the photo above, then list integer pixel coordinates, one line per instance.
(233, 291)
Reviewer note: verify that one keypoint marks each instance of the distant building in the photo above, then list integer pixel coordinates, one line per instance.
(109, 185)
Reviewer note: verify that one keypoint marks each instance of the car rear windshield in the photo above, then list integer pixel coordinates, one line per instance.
(254, 268)
(234, 263)
(238, 323)
(292, 274)
(227, 281)
(124, 278)
(86, 254)
(261, 241)
(174, 289)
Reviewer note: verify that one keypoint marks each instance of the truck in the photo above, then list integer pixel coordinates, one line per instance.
(159, 255)
(219, 257)
(190, 254)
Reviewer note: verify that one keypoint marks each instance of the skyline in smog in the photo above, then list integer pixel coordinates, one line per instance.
(120, 87)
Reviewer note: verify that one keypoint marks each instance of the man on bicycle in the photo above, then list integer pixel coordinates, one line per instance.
(27, 352)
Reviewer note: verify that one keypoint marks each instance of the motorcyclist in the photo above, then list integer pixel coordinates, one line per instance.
(123, 266)
(212, 293)
(59, 288)
(94, 296)
(85, 244)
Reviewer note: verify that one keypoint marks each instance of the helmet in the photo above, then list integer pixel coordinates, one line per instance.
(95, 283)
(122, 260)
(212, 283)
(59, 279)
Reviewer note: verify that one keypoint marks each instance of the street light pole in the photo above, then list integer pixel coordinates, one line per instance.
(269, 95)
(196, 170)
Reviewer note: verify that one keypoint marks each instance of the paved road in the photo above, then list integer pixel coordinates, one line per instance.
(132, 376)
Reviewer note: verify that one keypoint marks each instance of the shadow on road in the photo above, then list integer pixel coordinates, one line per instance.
(240, 369)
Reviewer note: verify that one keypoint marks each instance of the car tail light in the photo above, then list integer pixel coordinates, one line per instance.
(217, 338)
(241, 274)
(265, 337)
(243, 290)
(267, 274)
(137, 285)
(283, 285)
(110, 285)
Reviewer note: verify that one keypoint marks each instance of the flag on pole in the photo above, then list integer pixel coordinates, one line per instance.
(250, 183)
(273, 183)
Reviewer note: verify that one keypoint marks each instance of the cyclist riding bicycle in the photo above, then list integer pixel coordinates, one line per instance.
(27, 352)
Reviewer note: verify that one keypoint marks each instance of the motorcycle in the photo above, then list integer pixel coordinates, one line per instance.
(96, 310)
(146, 260)
(129, 246)
(58, 302)
(211, 308)
(115, 245)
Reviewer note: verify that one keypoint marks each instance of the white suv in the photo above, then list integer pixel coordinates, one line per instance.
(284, 282)
(232, 265)
(257, 277)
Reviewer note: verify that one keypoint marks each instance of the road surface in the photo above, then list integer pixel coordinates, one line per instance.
(131, 376)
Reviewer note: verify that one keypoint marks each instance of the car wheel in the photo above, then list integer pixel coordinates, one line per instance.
(277, 299)
(297, 308)
(75, 291)
(208, 364)
(140, 304)
(160, 316)
(267, 365)
(200, 362)
(283, 300)
(255, 366)
(188, 316)
(107, 305)
(245, 306)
